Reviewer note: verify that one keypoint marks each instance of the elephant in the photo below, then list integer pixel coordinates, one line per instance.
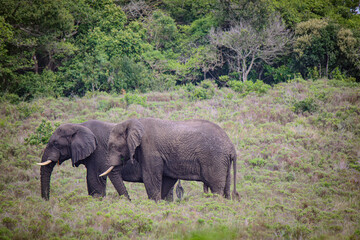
(196, 150)
(86, 143)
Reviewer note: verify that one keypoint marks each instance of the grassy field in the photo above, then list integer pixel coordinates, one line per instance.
(298, 173)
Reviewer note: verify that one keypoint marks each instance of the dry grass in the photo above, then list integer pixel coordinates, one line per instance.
(298, 170)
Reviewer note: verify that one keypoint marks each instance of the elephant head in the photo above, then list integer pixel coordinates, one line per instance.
(124, 139)
(68, 141)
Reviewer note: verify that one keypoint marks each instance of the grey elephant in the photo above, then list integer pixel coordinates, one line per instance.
(86, 143)
(195, 150)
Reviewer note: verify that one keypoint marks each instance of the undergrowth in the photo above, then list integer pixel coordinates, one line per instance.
(298, 164)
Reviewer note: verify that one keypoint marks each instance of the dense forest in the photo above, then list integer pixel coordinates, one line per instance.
(71, 47)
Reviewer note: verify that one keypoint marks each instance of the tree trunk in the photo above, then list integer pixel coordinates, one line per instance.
(327, 66)
(244, 71)
(36, 64)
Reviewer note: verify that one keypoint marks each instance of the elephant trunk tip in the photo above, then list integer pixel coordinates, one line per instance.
(107, 171)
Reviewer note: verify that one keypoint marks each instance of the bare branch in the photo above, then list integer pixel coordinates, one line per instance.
(137, 9)
(244, 44)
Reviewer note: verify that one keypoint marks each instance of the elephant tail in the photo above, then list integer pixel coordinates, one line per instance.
(235, 194)
(179, 190)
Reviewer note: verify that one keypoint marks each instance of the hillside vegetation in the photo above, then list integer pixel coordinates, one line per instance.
(298, 146)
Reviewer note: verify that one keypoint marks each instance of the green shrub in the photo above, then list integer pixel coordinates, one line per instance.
(11, 98)
(104, 105)
(135, 99)
(10, 223)
(219, 232)
(313, 73)
(290, 177)
(306, 105)
(257, 162)
(42, 133)
(26, 109)
(278, 74)
(339, 79)
(355, 164)
(199, 93)
(247, 87)
(5, 233)
(206, 90)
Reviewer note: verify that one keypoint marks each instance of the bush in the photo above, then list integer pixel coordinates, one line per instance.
(26, 109)
(205, 90)
(218, 232)
(277, 75)
(339, 79)
(135, 99)
(257, 162)
(11, 98)
(42, 133)
(247, 87)
(306, 105)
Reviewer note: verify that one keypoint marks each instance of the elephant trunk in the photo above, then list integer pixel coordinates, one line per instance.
(117, 181)
(45, 175)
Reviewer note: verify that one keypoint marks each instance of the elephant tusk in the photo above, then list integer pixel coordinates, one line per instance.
(107, 171)
(44, 163)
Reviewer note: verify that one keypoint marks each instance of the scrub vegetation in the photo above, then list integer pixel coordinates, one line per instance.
(298, 166)
(281, 77)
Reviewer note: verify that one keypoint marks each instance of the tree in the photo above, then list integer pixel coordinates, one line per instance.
(323, 45)
(208, 58)
(243, 45)
(187, 11)
(254, 12)
(162, 30)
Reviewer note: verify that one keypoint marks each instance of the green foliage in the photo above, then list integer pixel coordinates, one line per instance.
(325, 45)
(67, 48)
(278, 74)
(135, 99)
(25, 110)
(339, 76)
(247, 87)
(162, 30)
(220, 232)
(11, 98)
(42, 133)
(200, 28)
(9, 222)
(45, 84)
(206, 90)
(129, 75)
(189, 11)
(257, 162)
(306, 105)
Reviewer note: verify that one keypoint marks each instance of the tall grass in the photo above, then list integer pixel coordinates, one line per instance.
(298, 168)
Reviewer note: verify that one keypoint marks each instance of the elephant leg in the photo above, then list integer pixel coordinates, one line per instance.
(206, 188)
(227, 183)
(167, 188)
(96, 185)
(153, 181)
(216, 182)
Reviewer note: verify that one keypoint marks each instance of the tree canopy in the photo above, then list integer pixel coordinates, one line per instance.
(69, 47)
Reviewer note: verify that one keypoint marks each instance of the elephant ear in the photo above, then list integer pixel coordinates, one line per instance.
(135, 131)
(83, 143)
